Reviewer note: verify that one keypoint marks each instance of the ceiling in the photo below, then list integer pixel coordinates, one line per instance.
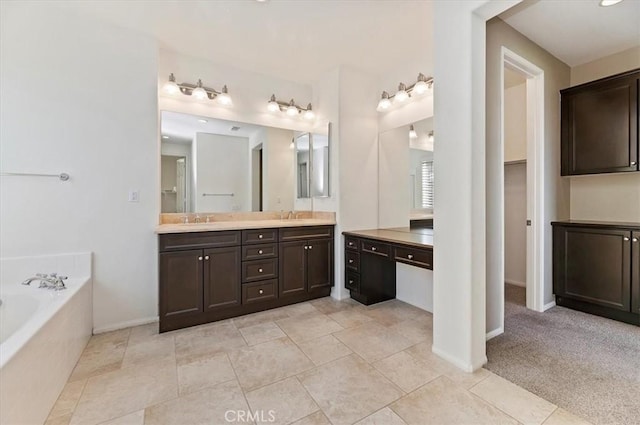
(294, 40)
(182, 128)
(577, 31)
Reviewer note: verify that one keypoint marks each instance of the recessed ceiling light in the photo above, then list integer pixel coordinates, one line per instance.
(165, 137)
(203, 121)
(235, 128)
(605, 3)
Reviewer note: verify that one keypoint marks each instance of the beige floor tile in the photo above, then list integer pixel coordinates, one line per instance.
(416, 331)
(207, 340)
(373, 341)
(384, 416)
(284, 402)
(144, 332)
(317, 418)
(60, 420)
(308, 326)
(103, 353)
(262, 332)
(443, 402)
(328, 305)
(68, 399)
(348, 389)
(423, 352)
(260, 317)
(350, 318)
(268, 362)
(324, 349)
(299, 309)
(124, 391)
(135, 418)
(406, 371)
(204, 372)
(393, 312)
(206, 407)
(562, 417)
(527, 408)
(149, 350)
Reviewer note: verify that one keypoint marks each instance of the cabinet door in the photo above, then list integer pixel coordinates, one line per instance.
(181, 283)
(594, 266)
(599, 127)
(222, 278)
(319, 264)
(635, 272)
(293, 268)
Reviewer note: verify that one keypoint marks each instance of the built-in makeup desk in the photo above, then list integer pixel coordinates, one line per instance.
(371, 256)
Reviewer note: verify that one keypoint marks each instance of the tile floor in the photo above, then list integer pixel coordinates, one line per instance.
(319, 362)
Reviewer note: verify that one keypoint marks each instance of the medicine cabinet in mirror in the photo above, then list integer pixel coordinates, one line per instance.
(214, 165)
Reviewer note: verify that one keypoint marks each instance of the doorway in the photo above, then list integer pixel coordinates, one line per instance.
(256, 178)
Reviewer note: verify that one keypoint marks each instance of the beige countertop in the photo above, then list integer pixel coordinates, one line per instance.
(241, 225)
(421, 238)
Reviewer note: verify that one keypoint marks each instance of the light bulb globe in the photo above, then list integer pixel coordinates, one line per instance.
(421, 87)
(199, 93)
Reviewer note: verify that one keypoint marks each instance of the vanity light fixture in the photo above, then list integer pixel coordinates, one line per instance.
(412, 132)
(165, 137)
(430, 136)
(606, 3)
(290, 108)
(404, 93)
(198, 90)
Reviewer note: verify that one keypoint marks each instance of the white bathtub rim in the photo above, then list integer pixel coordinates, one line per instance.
(19, 339)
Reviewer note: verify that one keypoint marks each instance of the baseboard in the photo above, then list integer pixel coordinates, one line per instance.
(494, 333)
(549, 305)
(516, 283)
(124, 325)
(458, 363)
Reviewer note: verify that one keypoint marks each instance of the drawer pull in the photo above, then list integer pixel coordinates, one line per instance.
(635, 239)
(206, 257)
(310, 246)
(350, 243)
(259, 270)
(410, 257)
(350, 281)
(306, 247)
(261, 292)
(626, 239)
(350, 261)
(200, 258)
(260, 236)
(260, 251)
(373, 248)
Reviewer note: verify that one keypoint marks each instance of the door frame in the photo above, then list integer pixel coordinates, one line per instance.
(535, 178)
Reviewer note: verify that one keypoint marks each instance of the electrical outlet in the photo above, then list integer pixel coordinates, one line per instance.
(134, 196)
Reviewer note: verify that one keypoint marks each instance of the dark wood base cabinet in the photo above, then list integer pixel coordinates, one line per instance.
(596, 268)
(209, 276)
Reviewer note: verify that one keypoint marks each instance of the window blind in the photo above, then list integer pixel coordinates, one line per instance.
(426, 183)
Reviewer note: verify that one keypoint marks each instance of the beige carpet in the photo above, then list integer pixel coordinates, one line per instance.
(586, 364)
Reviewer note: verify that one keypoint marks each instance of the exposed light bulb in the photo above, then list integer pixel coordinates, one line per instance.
(170, 86)
(412, 132)
(384, 103)
(292, 110)
(606, 3)
(308, 114)
(421, 86)
(199, 93)
(165, 137)
(273, 106)
(292, 145)
(401, 94)
(223, 98)
(431, 138)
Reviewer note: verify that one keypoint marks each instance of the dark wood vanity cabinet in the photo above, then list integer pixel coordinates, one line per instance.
(596, 268)
(599, 126)
(209, 276)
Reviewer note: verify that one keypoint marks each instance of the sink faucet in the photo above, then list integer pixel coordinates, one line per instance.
(52, 281)
(197, 219)
(289, 215)
(185, 219)
(208, 219)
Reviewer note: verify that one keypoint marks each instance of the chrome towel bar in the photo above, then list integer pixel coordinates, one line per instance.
(62, 176)
(217, 194)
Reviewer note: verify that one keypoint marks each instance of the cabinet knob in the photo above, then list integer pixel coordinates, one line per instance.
(373, 248)
(635, 239)
(260, 251)
(306, 247)
(259, 270)
(200, 258)
(350, 282)
(633, 163)
(259, 236)
(310, 246)
(350, 243)
(410, 257)
(206, 257)
(261, 292)
(626, 239)
(350, 261)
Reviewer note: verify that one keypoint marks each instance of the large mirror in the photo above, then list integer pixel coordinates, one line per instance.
(406, 178)
(214, 165)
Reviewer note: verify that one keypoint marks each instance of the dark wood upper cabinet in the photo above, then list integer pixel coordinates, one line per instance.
(635, 272)
(599, 126)
(222, 277)
(181, 283)
(293, 268)
(319, 264)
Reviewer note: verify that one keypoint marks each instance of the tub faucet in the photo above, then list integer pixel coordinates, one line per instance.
(52, 281)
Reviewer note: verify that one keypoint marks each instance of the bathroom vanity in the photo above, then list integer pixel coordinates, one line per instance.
(219, 270)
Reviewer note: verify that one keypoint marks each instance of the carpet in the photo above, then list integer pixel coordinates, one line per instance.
(585, 364)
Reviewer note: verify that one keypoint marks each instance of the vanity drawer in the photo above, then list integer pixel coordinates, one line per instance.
(352, 260)
(305, 232)
(351, 243)
(195, 240)
(259, 270)
(415, 257)
(259, 252)
(259, 291)
(259, 236)
(352, 281)
(376, 248)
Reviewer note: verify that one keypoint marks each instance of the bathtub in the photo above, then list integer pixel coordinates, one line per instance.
(42, 333)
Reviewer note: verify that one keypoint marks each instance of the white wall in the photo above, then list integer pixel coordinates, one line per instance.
(68, 104)
(223, 167)
(611, 197)
(279, 170)
(393, 178)
(515, 216)
(515, 123)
